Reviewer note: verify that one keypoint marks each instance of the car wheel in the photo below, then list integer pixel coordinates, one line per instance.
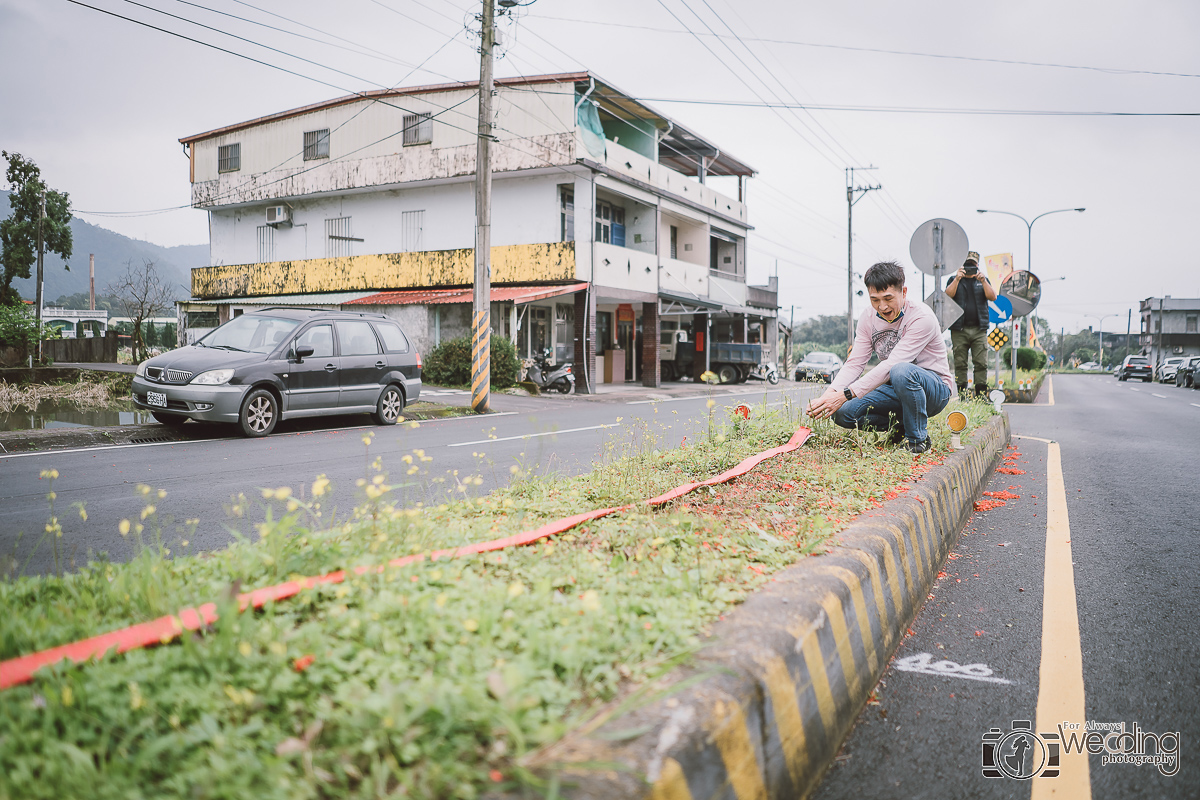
(391, 403)
(260, 412)
(668, 373)
(1120, 377)
(174, 420)
(727, 373)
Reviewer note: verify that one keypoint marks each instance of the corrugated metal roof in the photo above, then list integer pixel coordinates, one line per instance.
(319, 299)
(500, 294)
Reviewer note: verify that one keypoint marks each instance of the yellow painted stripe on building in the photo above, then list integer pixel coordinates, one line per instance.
(810, 648)
(859, 601)
(841, 638)
(671, 783)
(786, 705)
(737, 751)
(518, 263)
(1060, 683)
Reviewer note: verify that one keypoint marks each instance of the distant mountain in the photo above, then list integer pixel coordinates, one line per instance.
(112, 251)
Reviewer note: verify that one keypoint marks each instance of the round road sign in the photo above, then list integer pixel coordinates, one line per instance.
(1023, 290)
(924, 250)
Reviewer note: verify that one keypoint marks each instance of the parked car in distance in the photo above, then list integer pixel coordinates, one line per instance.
(1089, 366)
(283, 363)
(1135, 367)
(1168, 368)
(818, 366)
(1185, 376)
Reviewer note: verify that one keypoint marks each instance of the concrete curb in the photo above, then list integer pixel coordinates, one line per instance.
(762, 710)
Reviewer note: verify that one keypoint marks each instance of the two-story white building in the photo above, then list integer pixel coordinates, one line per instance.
(606, 234)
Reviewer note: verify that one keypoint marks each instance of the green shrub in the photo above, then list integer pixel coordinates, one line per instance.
(450, 363)
(1027, 358)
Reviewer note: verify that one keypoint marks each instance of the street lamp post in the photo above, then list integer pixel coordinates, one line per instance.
(1101, 318)
(1028, 260)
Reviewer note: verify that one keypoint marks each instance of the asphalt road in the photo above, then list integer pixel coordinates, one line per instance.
(544, 435)
(1130, 457)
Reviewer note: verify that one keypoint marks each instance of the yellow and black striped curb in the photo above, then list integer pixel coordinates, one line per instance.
(764, 707)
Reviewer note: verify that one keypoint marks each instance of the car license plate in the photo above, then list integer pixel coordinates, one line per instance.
(156, 399)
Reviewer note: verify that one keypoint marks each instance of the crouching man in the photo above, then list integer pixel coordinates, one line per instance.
(913, 379)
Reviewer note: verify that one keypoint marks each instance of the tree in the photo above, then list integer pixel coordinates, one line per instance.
(19, 233)
(143, 294)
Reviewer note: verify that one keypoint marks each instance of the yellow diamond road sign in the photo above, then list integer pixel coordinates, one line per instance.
(997, 339)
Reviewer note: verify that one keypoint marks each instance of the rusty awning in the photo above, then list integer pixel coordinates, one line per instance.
(500, 294)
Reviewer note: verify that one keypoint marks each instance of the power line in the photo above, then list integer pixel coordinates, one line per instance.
(885, 51)
(918, 109)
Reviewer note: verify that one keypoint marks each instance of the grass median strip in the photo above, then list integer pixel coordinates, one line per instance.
(430, 679)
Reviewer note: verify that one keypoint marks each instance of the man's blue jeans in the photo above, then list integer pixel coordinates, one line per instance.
(913, 392)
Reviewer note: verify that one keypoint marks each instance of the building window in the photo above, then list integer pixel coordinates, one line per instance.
(339, 237)
(229, 157)
(610, 223)
(316, 144)
(1191, 324)
(566, 213)
(412, 230)
(266, 243)
(418, 129)
(674, 242)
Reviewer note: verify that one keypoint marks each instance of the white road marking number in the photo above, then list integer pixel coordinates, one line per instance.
(924, 664)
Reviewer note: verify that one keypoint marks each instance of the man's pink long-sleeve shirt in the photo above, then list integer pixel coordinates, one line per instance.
(915, 338)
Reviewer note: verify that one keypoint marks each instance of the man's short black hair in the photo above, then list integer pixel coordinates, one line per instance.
(884, 275)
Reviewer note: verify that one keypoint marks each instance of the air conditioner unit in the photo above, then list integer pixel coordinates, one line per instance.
(279, 215)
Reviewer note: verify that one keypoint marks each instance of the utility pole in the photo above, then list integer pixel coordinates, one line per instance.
(1128, 330)
(40, 289)
(92, 281)
(851, 191)
(481, 366)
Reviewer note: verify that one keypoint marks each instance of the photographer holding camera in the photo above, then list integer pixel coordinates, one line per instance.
(971, 290)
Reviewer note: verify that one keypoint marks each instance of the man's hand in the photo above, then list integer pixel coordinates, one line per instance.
(962, 273)
(826, 404)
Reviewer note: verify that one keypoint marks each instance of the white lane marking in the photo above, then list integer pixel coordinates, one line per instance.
(923, 663)
(1133, 389)
(108, 447)
(1197, 405)
(475, 417)
(534, 435)
(1163, 396)
(734, 393)
(1035, 438)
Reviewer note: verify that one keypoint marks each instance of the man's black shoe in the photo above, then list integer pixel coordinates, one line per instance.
(918, 447)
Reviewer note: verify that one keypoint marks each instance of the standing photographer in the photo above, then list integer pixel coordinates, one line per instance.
(971, 290)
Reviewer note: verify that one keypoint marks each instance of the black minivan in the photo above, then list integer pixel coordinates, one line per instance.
(281, 363)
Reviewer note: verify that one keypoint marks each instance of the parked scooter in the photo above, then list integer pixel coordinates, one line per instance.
(765, 372)
(545, 377)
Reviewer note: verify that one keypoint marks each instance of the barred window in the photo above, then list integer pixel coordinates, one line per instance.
(412, 231)
(229, 157)
(266, 243)
(418, 129)
(339, 238)
(316, 144)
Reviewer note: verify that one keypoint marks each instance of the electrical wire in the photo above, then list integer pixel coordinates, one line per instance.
(885, 51)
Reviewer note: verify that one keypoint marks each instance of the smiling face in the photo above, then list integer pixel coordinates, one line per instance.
(889, 302)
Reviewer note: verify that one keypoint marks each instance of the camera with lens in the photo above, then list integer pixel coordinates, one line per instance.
(971, 270)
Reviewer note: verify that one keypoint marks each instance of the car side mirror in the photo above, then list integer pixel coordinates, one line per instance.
(304, 351)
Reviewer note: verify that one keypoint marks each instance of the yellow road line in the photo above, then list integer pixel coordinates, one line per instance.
(1050, 387)
(1060, 687)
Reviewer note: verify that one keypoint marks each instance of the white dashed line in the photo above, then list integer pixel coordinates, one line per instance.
(1197, 405)
(535, 435)
(1163, 396)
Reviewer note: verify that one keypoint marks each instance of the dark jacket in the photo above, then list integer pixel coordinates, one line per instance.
(981, 306)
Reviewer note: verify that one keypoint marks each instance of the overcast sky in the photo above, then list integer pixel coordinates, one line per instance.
(100, 102)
